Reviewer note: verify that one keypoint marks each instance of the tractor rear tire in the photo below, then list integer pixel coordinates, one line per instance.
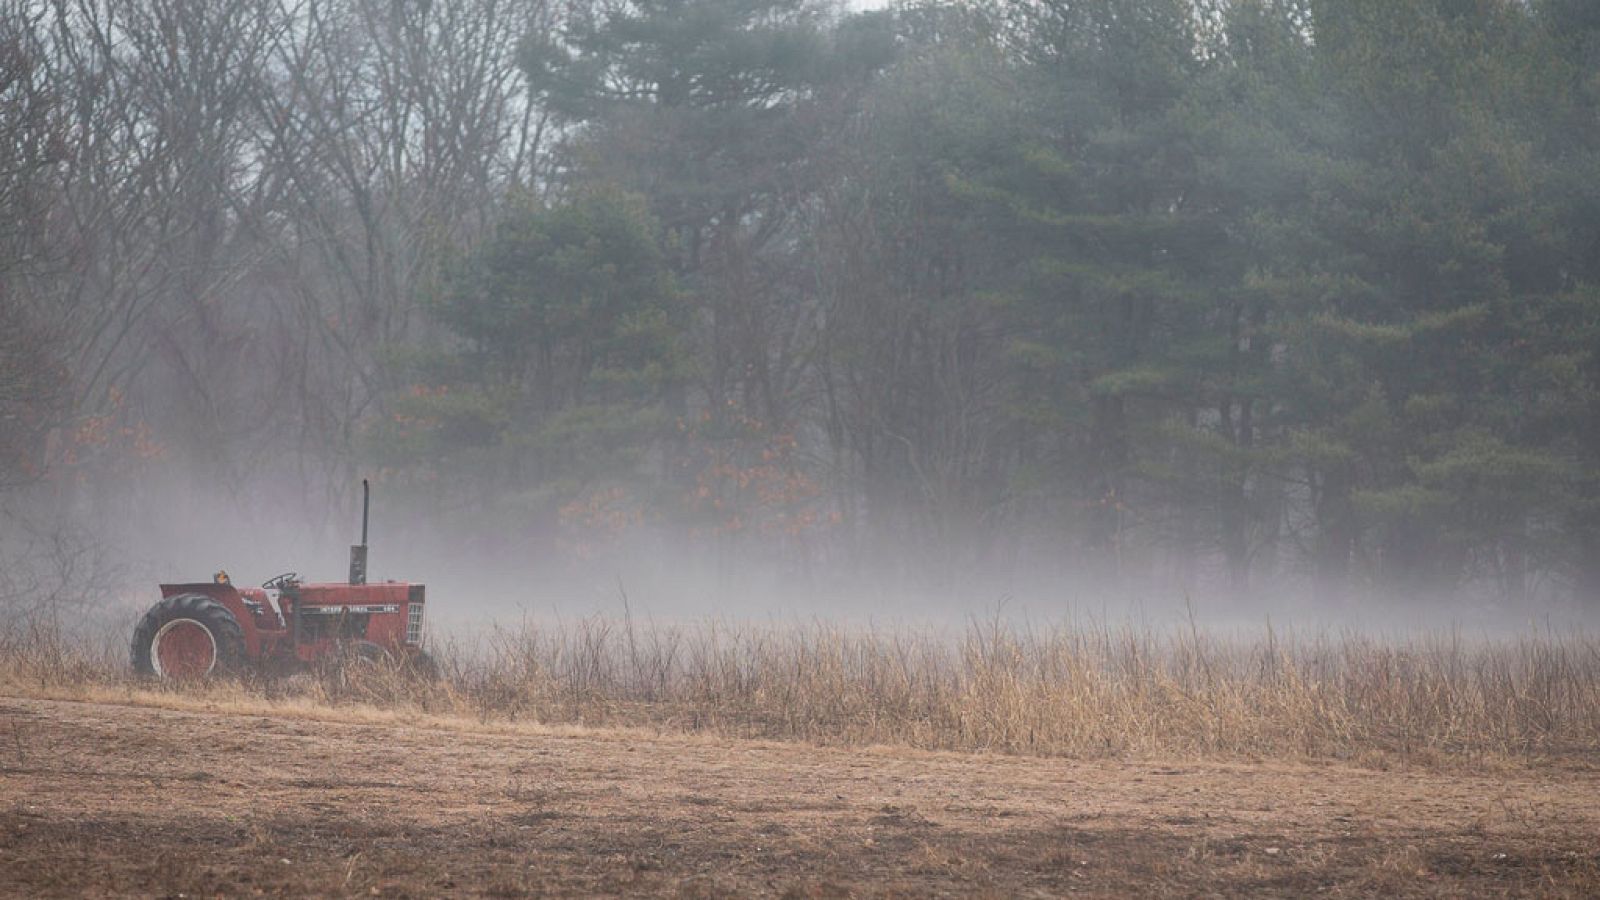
(187, 636)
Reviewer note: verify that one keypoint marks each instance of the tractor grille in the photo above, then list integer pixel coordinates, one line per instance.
(414, 622)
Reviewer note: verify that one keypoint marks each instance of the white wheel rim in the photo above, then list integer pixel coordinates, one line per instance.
(155, 644)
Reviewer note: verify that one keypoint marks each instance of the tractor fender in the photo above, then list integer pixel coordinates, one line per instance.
(229, 597)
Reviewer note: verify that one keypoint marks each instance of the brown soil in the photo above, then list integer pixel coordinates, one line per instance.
(105, 799)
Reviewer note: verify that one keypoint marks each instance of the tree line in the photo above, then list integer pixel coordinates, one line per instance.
(1242, 293)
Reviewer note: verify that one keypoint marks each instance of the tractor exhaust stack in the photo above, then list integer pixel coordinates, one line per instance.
(358, 553)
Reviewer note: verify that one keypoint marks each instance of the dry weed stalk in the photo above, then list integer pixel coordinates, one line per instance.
(1085, 692)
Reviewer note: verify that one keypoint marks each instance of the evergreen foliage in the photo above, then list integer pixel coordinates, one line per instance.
(1271, 289)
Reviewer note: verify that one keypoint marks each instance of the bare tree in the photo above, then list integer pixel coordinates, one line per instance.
(32, 380)
(396, 129)
(246, 201)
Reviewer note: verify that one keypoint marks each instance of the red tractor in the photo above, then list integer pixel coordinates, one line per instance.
(205, 627)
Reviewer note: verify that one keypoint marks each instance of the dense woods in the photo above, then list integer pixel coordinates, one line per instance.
(1229, 295)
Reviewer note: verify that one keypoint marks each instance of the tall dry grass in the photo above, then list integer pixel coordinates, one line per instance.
(1098, 691)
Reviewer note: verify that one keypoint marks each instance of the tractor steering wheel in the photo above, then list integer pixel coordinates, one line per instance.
(279, 582)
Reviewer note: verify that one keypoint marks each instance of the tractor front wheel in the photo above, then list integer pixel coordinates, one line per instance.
(366, 656)
(365, 666)
(423, 666)
(185, 637)
(355, 667)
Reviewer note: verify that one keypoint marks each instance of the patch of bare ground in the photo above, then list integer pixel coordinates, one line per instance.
(108, 799)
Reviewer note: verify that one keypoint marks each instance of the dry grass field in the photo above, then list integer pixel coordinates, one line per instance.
(604, 758)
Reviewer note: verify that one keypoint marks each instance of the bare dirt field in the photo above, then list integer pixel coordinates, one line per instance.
(107, 799)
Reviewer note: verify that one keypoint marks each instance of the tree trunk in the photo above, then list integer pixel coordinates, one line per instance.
(1336, 538)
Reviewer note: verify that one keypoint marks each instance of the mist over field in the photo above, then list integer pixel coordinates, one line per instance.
(1179, 312)
(817, 448)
